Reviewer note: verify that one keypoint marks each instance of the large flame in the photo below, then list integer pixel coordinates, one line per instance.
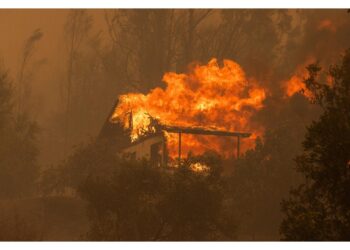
(208, 96)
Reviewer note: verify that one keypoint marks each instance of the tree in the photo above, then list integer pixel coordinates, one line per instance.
(263, 175)
(125, 206)
(319, 208)
(76, 28)
(17, 227)
(194, 206)
(5, 100)
(26, 72)
(144, 44)
(131, 200)
(19, 168)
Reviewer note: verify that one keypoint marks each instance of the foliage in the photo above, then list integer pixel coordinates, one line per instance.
(95, 158)
(264, 174)
(18, 148)
(26, 72)
(14, 227)
(135, 201)
(319, 209)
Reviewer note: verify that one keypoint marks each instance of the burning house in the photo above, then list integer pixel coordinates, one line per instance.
(192, 112)
(152, 144)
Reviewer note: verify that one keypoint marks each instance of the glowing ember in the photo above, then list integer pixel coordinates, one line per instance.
(208, 96)
(199, 167)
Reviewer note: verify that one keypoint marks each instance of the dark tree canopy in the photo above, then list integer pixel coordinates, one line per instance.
(136, 201)
(319, 209)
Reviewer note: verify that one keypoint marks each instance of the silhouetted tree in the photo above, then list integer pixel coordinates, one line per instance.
(17, 227)
(195, 207)
(134, 201)
(144, 42)
(18, 147)
(26, 71)
(319, 208)
(76, 30)
(264, 174)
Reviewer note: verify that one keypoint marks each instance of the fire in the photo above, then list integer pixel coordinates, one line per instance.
(199, 167)
(208, 96)
(330, 80)
(296, 83)
(327, 24)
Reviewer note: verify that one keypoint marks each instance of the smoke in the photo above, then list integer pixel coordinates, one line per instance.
(271, 46)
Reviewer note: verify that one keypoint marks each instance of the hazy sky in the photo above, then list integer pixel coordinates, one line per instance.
(17, 25)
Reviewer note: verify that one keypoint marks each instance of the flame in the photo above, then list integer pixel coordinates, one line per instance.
(296, 83)
(208, 96)
(327, 24)
(199, 167)
(330, 80)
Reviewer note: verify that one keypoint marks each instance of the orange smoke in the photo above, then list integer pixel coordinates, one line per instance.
(208, 96)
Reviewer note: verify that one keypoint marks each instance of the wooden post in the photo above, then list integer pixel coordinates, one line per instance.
(179, 148)
(130, 121)
(165, 154)
(238, 146)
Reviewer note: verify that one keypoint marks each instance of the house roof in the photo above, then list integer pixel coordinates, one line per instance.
(118, 136)
(114, 133)
(202, 131)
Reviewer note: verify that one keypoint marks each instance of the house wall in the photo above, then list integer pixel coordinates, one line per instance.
(143, 148)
